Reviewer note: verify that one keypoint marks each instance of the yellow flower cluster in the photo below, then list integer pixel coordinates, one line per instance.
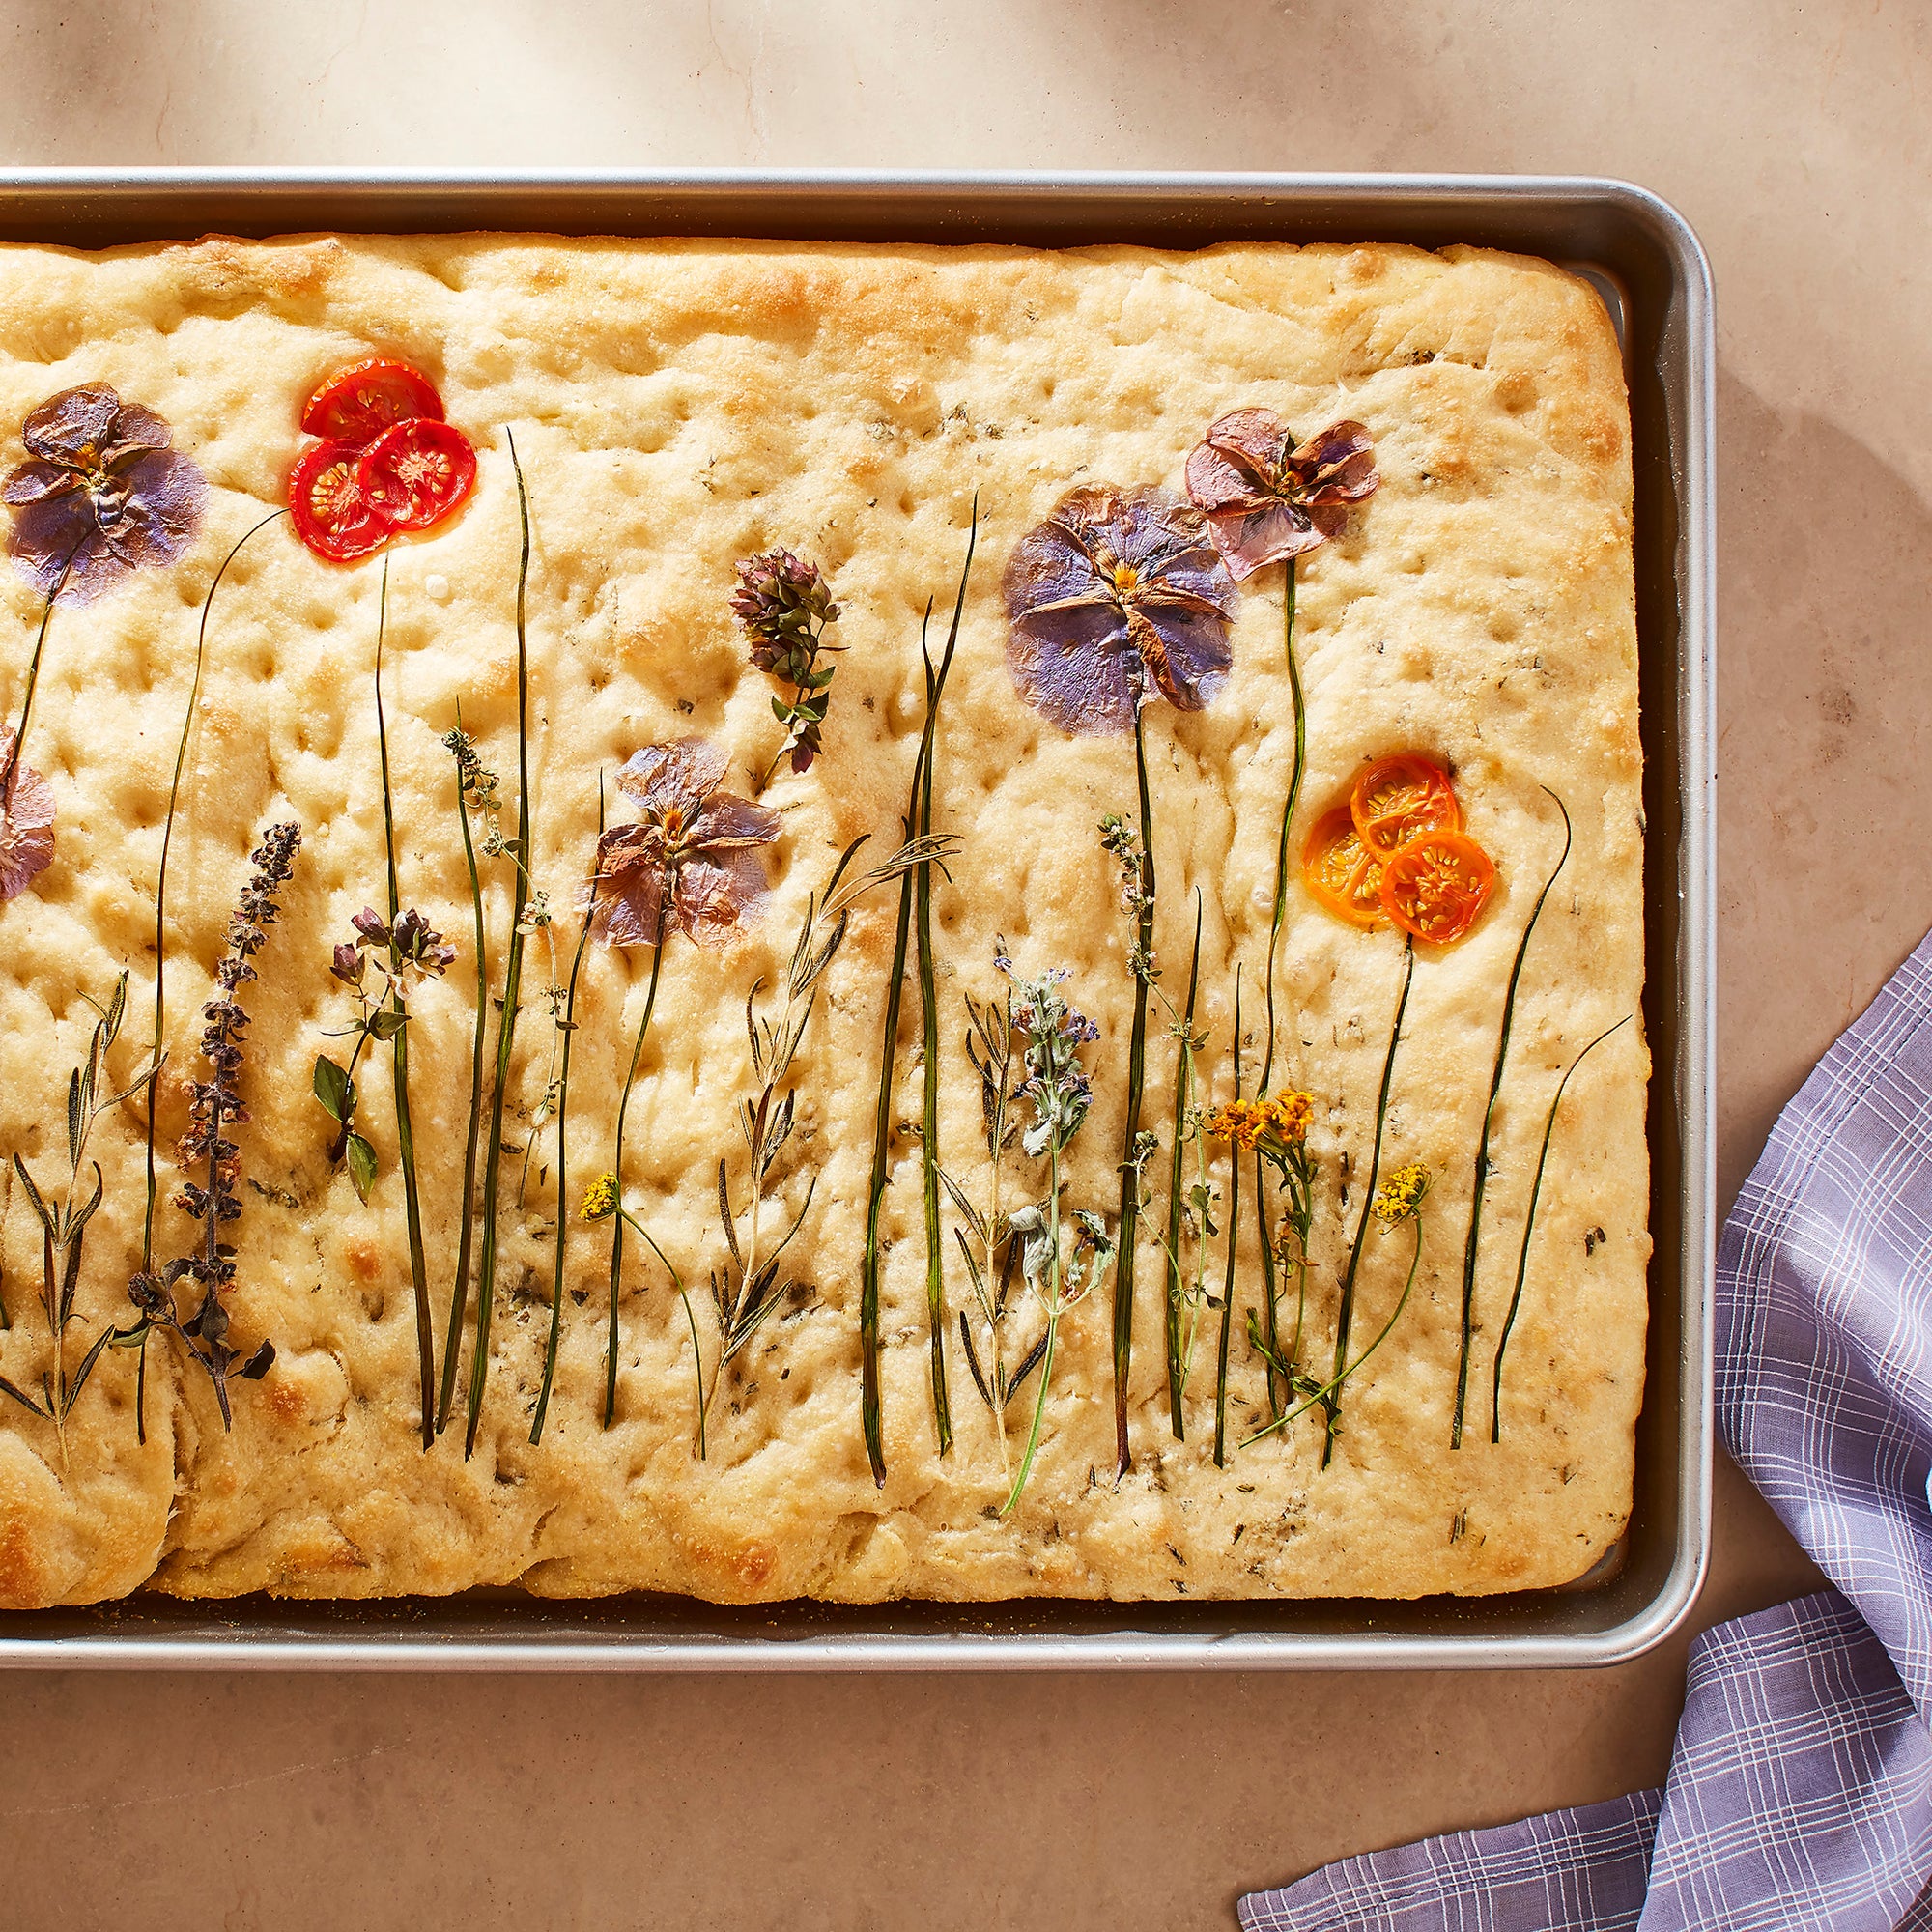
(1282, 1118)
(1399, 1197)
(600, 1198)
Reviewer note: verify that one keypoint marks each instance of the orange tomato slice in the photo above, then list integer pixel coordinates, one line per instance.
(1340, 873)
(1436, 885)
(1400, 798)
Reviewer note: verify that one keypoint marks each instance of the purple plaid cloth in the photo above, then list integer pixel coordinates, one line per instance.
(1801, 1789)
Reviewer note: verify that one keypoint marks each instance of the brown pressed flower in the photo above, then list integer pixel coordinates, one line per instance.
(689, 864)
(103, 493)
(1264, 498)
(26, 822)
(1118, 598)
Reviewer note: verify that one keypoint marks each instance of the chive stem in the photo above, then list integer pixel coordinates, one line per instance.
(1052, 1325)
(1183, 1094)
(1529, 1229)
(513, 979)
(617, 1159)
(1481, 1179)
(1330, 1404)
(1233, 1247)
(1130, 1193)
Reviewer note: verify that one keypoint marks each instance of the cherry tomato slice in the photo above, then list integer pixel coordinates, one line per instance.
(1436, 885)
(1400, 798)
(1340, 873)
(417, 473)
(359, 404)
(332, 512)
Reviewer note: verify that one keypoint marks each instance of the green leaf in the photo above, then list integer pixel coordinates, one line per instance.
(334, 1090)
(389, 1023)
(74, 1119)
(361, 1166)
(117, 1007)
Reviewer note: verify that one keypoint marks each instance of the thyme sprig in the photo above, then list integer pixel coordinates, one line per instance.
(64, 1220)
(513, 980)
(476, 791)
(918, 815)
(1059, 1092)
(1529, 1227)
(1330, 1400)
(1399, 1200)
(784, 606)
(156, 1050)
(1141, 961)
(215, 1106)
(1481, 1174)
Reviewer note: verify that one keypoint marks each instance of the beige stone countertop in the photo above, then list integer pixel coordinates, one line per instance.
(1798, 140)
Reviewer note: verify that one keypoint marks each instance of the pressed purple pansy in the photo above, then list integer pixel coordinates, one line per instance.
(26, 822)
(689, 864)
(1264, 498)
(103, 493)
(1117, 598)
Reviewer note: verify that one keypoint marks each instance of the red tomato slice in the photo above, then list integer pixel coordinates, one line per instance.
(359, 404)
(1436, 885)
(1340, 872)
(1400, 798)
(332, 512)
(417, 473)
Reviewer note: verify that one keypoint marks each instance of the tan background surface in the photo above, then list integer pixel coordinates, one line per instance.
(1797, 139)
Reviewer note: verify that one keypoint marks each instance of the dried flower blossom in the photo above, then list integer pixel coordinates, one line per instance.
(1264, 498)
(26, 822)
(215, 1105)
(1116, 599)
(600, 1199)
(689, 864)
(104, 492)
(1400, 1197)
(1271, 1122)
(784, 606)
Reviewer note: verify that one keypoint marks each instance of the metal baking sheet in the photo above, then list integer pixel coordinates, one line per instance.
(1644, 257)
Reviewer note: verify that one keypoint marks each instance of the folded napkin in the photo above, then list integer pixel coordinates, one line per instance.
(1800, 1788)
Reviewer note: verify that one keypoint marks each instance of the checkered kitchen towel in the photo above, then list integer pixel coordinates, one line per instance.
(1801, 1789)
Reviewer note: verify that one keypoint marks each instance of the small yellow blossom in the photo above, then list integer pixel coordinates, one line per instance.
(600, 1198)
(1239, 1120)
(1289, 1115)
(1399, 1197)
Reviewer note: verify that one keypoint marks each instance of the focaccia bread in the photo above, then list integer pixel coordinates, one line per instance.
(677, 407)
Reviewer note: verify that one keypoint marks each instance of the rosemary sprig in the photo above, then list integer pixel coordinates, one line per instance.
(157, 1051)
(1330, 1402)
(1130, 1194)
(917, 812)
(1186, 1129)
(1278, 1383)
(513, 980)
(63, 1222)
(1400, 1200)
(567, 1025)
(1529, 1228)
(475, 790)
(1481, 1174)
(1233, 1247)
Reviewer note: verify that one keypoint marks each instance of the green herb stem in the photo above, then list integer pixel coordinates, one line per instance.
(1183, 1095)
(405, 1139)
(1052, 1326)
(1233, 1247)
(466, 1228)
(1482, 1172)
(160, 922)
(1529, 1229)
(563, 1143)
(513, 980)
(14, 750)
(1329, 1402)
(617, 1159)
(1130, 1193)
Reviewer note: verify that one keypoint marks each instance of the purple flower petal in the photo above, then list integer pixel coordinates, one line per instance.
(74, 427)
(715, 898)
(1274, 529)
(1335, 465)
(26, 825)
(723, 820)
(678, 774)
(1264, 504)
(1071, 665)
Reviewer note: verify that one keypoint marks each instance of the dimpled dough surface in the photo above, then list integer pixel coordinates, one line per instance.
(679, 406)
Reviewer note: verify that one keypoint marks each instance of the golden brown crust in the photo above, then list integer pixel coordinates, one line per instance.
(678, 406)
